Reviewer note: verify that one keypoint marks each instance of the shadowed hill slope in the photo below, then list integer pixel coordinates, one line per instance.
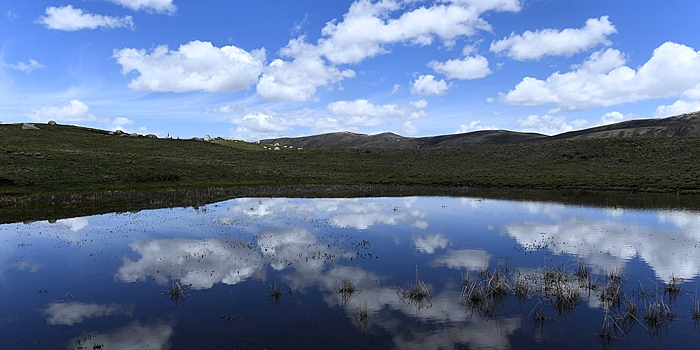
(687, 125)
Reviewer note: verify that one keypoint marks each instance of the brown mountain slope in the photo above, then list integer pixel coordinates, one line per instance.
(682, 125)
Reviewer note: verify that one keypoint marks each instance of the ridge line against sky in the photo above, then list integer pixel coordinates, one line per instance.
(272, 68)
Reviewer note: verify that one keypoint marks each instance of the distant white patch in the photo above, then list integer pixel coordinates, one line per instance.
(474, 125)
(677, 108)
(71, 19)
(428, 243)
(75, 312)
(24, 67)
(159, 6)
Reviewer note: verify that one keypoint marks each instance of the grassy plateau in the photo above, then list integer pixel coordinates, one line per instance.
(60, 165)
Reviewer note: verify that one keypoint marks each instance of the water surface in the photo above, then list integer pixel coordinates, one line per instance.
(260, 273)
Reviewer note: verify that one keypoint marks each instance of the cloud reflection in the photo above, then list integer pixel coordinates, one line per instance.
(71, 313)
(467, 259)
(605, 244)
(196, 263)
(430, 242)
(134, 336)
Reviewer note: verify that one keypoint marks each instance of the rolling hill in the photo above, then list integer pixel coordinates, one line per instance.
(682, 125)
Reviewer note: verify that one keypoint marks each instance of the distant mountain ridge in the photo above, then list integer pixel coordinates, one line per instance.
(681, 125)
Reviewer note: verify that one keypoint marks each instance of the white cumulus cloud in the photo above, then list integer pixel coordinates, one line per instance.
(550, 42)
(260, 124)
(428, 85)
(298, 80)
(474, 125)
(364, 108)
(196, 66)
(548, 124)
(677, 108)
(73, 111)
(409, 128)
(159, 6)
(71, 19)
(603, 80)
(469, 68)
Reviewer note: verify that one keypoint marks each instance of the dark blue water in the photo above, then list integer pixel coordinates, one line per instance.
(265, 273)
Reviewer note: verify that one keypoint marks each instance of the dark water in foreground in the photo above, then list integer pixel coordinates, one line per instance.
(342, 274)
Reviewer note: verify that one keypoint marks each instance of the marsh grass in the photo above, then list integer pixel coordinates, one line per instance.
(672, 288)
(276, 294)
(417, 294)
(657, 316)
(176, 293)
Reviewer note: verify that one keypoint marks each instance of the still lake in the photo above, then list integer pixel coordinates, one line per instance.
(405, 273)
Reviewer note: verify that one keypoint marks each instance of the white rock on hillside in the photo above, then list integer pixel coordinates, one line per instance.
(27, 126)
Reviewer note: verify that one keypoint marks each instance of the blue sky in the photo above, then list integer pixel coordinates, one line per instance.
(268, 68)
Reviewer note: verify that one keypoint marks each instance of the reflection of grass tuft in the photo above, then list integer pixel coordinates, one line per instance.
(347, 290)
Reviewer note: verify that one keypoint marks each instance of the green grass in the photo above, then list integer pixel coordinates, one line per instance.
(64, 160)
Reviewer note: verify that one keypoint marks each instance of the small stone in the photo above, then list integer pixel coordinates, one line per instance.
(27, 126)
(51, 122)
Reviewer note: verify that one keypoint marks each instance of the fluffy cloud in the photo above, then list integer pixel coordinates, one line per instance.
(71, 19)
(367, 30)
(550, 42)
(260, 124)
(603, 80)
(475, 126)
(368, 27)
(547, 124)
(465, 69)
(24, 67)
(427, 85)
(611, 118)
(196, 66)
(298, 80)
(73, 111)
(409, 129)
(159, 6)
(677, 108)
(364, 108)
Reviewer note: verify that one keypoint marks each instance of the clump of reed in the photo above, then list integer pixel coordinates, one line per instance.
(672, 288)
(276, 294)
(485, 295)
(176, 292)
(417, 294)
(347, 290)
(657, 315)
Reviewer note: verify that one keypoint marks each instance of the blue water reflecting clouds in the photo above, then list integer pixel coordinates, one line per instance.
(259, 272)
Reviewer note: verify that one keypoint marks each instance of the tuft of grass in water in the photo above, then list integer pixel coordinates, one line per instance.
(347, 290)
(176, 292)
(276, 294)
(657, 315)
(417, 294)
(672, 288)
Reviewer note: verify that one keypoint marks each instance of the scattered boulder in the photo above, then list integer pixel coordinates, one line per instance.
(196, 139)
(51, 122)
(27, 126)
(277, 148)
(111, 132)
(207, 138)
(134, 135)
(152, 136)
(257, 142)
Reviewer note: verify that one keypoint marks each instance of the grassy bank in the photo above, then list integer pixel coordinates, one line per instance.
(62, 161)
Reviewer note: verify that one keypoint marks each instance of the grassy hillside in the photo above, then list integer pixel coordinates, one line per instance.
(66, 159)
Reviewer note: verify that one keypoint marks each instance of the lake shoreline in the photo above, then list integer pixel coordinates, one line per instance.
(52, 206)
